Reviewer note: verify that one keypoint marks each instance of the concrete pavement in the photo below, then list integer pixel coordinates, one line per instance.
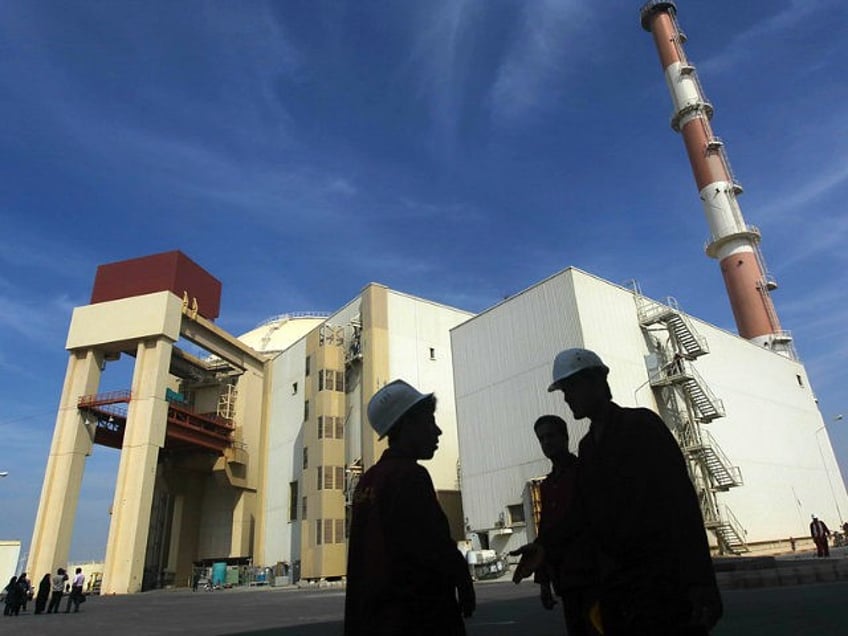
(503, 609)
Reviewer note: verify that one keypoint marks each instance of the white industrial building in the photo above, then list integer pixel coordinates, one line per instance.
(319, 441)
(745, 415)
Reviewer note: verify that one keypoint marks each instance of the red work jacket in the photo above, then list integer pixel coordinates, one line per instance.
(403, 568)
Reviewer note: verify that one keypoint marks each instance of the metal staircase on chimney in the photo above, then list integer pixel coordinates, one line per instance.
(687, 402)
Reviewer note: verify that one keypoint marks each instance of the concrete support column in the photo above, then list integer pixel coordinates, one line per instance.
(243, 525)
(72, 442)
(375, 363)
(144, 436)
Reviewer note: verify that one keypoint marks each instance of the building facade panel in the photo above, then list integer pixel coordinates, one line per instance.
(769, 426)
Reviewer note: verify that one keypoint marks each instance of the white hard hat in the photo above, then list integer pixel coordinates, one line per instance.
(390, 403)
(572, 361)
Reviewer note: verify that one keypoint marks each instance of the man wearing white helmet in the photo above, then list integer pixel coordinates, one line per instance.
(634, 496)
(405, 574)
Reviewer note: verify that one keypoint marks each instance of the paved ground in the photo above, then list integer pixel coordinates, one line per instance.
(503, 609)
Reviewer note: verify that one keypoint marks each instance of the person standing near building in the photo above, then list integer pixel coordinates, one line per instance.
(569, 567)
(57, 588)
(820, 532)
(656, 574)
(26, 590)
(76, 596)
(43, 594)
(405, 574)
(12, 601)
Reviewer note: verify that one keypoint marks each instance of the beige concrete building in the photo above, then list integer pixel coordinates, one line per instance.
(247, 453)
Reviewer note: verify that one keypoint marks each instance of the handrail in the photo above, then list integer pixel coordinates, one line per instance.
(292, 315)
(734, 471)
(110, 397)
(716, 402)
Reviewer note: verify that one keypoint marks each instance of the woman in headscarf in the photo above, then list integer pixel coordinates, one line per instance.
(13, 602)
(43, 594)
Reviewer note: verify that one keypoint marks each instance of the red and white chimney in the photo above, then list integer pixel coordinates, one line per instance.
(732, 242)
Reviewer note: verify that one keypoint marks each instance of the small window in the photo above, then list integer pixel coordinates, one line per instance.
(328, 530)
(319, 526)
(293, 501)
(320, 477)
(320, 419)
(328, 478)
(340, 381)
(340, 531)
(303, 509)
(306, 367)
(432, 353)
(516, 513)
(306, 411)
(321, 380)
(294, 388)
(339, 428)
(800, 380)
(305, 458)
(339, 478)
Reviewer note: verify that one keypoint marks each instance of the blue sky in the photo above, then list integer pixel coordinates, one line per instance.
(459, 150)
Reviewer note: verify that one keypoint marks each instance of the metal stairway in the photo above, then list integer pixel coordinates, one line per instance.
(686, 403)
(692, 345)
(728, 531)
(723, 475)
(681, 372)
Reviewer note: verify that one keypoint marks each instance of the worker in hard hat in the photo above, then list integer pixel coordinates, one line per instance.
(405, 574)
(635, 497)
(569, 569)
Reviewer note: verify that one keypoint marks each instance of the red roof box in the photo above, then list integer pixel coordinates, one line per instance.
(168, 271)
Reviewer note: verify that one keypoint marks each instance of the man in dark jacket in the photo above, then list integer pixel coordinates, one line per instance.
(820, 532)
(405, 574)
(569, 567)
(637, 500)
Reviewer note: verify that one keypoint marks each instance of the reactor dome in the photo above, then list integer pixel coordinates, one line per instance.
(280, 332)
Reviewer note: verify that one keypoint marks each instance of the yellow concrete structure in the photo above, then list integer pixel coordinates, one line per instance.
(172, 483)
(275, 490)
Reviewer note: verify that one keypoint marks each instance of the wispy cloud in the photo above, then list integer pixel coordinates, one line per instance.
(40, 323)
(436, 56)
(540, 50)
(769, 30)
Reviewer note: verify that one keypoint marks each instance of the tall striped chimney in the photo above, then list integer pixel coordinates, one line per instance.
(732, 242)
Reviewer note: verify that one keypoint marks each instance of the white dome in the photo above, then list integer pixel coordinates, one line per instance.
(280, 332)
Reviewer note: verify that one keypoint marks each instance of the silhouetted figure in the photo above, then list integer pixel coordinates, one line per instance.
(405, 575)
(12, 602)
(57, 588)
(820, 533)
(656, 574)
(43, 594)
(26, 590)
(569, 566)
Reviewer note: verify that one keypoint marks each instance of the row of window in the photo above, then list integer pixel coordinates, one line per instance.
(331, 478)
(329, 380)
(330, 427)
(330, 531)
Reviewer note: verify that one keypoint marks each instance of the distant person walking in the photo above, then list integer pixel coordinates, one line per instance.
(57, 588)
(43, 594)
(405, 575)
(820, 533)
(76, 596)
